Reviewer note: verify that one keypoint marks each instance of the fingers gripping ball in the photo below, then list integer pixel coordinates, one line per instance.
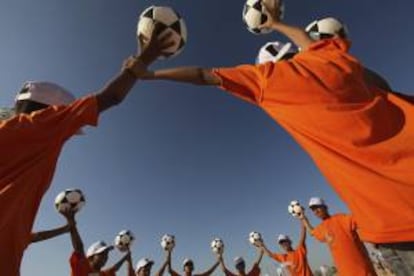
(70, 200)
(217, 245)
(124, 240)
(254, 15)
(169, 21)
(295, 209)
(255, 238)
(168, 242)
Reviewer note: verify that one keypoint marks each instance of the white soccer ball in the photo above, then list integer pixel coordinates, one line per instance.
(169, 20)
(326, 28)
(217, 245)
(295, 209)
(254, 15)
(69, 200)
(255, 238)
(124, 240)
(168, 242)
(275, 51)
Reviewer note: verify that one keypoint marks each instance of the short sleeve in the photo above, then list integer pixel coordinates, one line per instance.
(318, 233)
(278, 257)
(244, 81)
(352, 223)
(77, 262)
(66, 121)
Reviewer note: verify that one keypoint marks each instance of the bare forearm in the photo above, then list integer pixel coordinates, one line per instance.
(76, 240)
(162, 269)
(296, 34)
(45, 235)
(118, 265)
(194, 75)
(116, 90)
(307, 224)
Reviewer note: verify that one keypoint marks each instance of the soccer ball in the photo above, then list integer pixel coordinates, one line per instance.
(169, 20)
(295, 209)
(168, 242)
(254, 15)
(69, 200)
(326, 28)
(217, 245)
(255, 238)
(274, 52)
(124, 240)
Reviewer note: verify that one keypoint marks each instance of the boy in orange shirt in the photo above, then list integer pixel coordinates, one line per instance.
(359, 135)
(45, 117)
(340, 233)
(295, 260)
(94, 260)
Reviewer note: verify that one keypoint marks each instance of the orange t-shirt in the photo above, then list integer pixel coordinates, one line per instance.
(255, 271)
(79, 266)
(295, 261)
(360, 137)
(30, 147)
(348, 252)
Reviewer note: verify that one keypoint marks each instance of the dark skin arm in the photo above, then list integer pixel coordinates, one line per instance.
(295, 34)
(49, 234)
(222, 265)
(164, 265)
(170, 269)
(305, 221)
(210, 271)
(259, 257)
(117, 89)
(131, 271)
(118, 265)
(192, 75)
(266, 250)
(74, 234)
(302, 238)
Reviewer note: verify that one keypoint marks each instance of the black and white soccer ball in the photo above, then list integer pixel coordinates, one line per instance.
(255, 238)
(327, 28)
(169, 20)
(275, 51)
(254, 15)
(217, 245)
(295, 209)
(168, 242)
(69, 200)
(124, 240)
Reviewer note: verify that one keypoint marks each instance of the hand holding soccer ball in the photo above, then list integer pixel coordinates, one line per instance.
(123, 240)
(296, 210)
(217, 245)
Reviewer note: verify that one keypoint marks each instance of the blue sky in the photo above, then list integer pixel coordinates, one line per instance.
(192, 161)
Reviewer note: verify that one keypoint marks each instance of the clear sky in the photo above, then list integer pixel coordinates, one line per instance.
(175, 158)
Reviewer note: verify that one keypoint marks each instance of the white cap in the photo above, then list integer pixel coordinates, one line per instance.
(45, 92)
(316, 201)
(98, 247)
(238, 261)
(274, 51)
(187, 261)
(143, 263)
(283, 237)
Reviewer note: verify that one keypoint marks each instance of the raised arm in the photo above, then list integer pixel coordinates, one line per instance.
(49, 234)
(193, 75)
(74, 234)
(223, 266)
(161, 271)
(259, 257)
(209, 271)
(295, 34)
(130, 268)
(118, 265)
(305, 222)
(170, 269)
(117, 89)
(266, 250)
(302, 238)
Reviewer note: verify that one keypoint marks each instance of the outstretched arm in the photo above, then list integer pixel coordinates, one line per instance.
(266, 250)
(193, 75)
(131, 271)
(296, 34)
(305, 222)
(210, 271)
(223, 266)
(170, 269)
(49, 234)
(118, 265)
(117, 89)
